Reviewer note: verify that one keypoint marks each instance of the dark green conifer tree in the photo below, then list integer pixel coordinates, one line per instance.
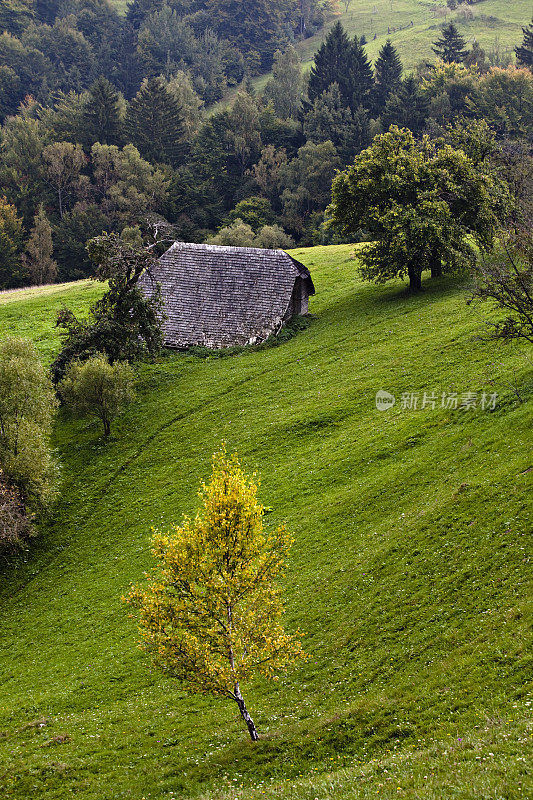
(138, 10)
(332, 64)
(451, 46)
(524, 53)
(330, 120)
(46, 10)
(361, 130)
(360, 78)
(101, 117)
(407, 108)
(154, 124)
(254, 26)
(388, 75)
(344, 62)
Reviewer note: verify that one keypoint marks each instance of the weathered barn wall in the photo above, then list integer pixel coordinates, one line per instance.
(222, 296)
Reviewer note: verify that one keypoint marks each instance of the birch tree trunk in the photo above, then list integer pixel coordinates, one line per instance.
(239, 699)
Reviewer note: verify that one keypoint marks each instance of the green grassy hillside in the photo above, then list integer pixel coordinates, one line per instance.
(496, 24)
(32, 312)
(409, 574)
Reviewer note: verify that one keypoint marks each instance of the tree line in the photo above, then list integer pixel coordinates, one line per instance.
(51, 46)
(79, 162)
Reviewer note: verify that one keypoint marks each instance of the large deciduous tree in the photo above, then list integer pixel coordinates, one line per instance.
(211, 614)
(419, 201)
(504, 97)
(266, 172)
(124, 324)
(285, 87)
(307, 183)
(27, 407)
(63, 164)
(245, 130)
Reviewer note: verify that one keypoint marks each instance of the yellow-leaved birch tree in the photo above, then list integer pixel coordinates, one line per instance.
(211, 610)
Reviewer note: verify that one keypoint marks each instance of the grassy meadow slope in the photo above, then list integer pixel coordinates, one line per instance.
(32, 312)
(496, 24)
(409, 573)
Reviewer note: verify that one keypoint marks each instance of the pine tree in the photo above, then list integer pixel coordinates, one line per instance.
(361, 130)
(345, 62)
(476, 57)
(101, 116)
(330, 120)
(451, 46)
(360, 77)
(38, 260)
(254, 26)
(154, 124)
(388, 74)
(332, 64)
(524, 53)
(423, 205)
(138, 10)
(407, 108)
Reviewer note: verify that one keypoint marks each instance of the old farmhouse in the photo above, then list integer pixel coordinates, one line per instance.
(222, 296)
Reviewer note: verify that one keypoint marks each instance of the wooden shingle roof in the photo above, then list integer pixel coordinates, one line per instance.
(221, 296)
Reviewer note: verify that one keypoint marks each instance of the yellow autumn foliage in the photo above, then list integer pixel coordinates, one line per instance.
(211, 610)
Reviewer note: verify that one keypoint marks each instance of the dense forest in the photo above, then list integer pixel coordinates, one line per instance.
(109, 123)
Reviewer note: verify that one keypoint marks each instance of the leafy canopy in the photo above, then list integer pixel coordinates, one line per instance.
(124, 324)
(27, 407)
(419, 199)
(96, 388)
(506, 280)
(210, 614)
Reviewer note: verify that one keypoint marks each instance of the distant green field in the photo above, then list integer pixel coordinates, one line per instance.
(409, 575)
(120, 5)
(32, 312)
(496, 24)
